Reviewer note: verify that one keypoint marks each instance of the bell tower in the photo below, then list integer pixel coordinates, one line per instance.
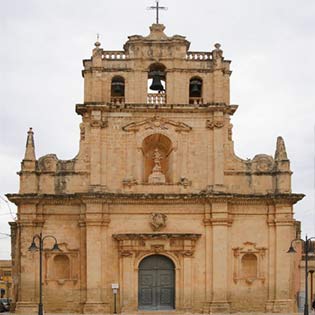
(160, 98)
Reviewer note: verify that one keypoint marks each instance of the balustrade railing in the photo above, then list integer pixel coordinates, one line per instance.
(199, 55)
(114, 55)
(156, 98)
(195, 100)
(117, 100)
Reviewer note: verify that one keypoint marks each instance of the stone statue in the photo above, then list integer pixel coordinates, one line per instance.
(157, 177)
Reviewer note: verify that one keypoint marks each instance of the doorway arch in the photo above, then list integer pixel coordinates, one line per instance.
(156, 289)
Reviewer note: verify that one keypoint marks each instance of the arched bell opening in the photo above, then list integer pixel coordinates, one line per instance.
(156, 283)
(156, 84)
(158, 159)
(118, 90)
(195, 90)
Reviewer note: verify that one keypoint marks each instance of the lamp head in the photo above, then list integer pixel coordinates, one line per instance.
(33, 247)
(56, 248)
(291, 250)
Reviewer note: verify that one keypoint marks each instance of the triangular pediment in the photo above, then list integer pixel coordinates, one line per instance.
(157, 123)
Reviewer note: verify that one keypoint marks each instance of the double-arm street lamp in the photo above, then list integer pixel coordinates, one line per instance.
(307, 246)
(34, 247)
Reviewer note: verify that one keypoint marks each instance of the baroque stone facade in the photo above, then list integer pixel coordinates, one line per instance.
(156, 200)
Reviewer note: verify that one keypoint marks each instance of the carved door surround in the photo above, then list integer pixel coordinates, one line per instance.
(133, 248)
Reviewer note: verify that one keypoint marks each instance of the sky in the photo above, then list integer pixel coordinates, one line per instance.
(271, 45)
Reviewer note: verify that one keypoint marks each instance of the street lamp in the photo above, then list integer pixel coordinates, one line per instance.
(307, 249)
(40, 238)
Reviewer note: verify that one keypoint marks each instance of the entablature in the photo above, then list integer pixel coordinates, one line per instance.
(81, 109)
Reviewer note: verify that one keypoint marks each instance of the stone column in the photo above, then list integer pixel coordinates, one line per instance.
(94, 250)
(220, 258)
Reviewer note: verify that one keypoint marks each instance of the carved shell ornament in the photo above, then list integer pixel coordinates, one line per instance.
(158, 221)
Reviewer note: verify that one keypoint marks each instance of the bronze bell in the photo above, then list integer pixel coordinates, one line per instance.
(118, 88)
(195, 88)
(156, 81)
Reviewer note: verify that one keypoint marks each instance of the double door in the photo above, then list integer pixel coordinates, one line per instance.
(156, 289)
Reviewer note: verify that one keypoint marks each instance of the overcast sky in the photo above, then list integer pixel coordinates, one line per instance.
(271, 44)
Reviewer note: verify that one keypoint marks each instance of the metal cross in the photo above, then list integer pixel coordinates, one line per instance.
(157, 8)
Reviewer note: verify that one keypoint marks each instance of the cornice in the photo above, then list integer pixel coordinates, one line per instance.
(144, 198)
(137, 107)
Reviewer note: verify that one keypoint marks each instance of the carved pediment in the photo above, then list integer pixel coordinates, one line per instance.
(157, 123)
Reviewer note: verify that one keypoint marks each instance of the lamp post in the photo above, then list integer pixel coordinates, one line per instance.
(40, 238)
(307, 249)
(312, 286)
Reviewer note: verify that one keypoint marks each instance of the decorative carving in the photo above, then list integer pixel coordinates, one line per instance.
(216, 122)
(158, 221)
(48, 163)
(129, 182)
(156, 123)
(98, 120)
(82, 131)
(248, 251)
(99, 123)
(157, 248)
(185, 182)
(263, 163)
(157, 177)
(138, 244)
(230, 132)
(217, 55)
(281, 153)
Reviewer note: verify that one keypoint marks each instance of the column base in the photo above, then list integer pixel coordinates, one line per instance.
(26, 308)
(219, 307)
(96, 308)
(279, 306)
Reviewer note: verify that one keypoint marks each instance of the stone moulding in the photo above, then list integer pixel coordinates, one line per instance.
(130, 244)
(107, 197)
(81, 109)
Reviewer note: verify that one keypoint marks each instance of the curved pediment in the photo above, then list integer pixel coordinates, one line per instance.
(157, 123)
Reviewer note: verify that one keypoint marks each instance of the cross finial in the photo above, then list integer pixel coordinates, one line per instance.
(157, 8)
(97, 37)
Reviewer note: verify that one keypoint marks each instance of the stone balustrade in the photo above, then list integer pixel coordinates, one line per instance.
(156, 98)
(199, 55)
(117, 100)
(195, 100)
(114, 55)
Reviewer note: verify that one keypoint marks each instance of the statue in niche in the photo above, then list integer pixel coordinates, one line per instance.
(157, 177)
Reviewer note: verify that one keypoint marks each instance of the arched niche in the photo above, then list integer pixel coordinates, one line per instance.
(249, 266)
(150, 145)
(61, 267)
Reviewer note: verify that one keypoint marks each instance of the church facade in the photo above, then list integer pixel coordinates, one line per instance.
(156, 203)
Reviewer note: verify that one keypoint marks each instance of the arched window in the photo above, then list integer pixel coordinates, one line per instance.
(118, 90)
(156, 84)
(249, 266)
(195, 90)
(61, 267)
(157, 150)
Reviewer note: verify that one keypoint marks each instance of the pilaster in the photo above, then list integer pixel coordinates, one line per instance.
(95, 223)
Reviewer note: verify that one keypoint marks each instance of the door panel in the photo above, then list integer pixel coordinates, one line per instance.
(156, 284)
